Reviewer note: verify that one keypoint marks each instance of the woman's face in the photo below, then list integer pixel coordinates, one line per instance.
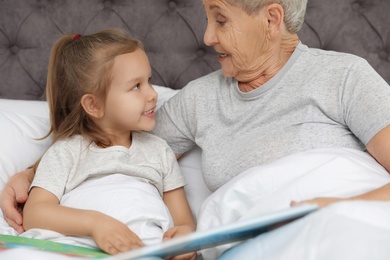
(240, 39)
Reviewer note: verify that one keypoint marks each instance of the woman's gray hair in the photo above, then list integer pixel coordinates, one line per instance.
(294, 10)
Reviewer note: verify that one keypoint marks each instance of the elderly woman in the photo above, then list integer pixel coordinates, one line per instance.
(274, 96)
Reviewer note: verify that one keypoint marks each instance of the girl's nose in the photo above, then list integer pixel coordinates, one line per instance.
(152, 94)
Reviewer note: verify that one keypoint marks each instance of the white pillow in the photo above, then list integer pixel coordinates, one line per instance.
(25, 107)
(19, 147)
(23, 121)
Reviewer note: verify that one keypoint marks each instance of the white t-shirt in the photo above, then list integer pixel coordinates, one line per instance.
(319, 99)
(70, 162)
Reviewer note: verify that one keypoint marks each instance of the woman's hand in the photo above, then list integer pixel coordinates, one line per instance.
(113, 237)
(13, 197)
(321, 202)
(179, 231)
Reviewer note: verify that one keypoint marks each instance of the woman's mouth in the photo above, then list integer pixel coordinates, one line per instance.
(223, 55)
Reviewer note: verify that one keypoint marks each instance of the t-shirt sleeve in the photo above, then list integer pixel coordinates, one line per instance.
(366, 101)
(172, 178)
(54, 169)
(173, 121)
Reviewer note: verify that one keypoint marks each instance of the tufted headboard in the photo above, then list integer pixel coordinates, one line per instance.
(172, 31)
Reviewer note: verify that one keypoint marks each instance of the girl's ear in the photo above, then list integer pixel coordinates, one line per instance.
(92, 106)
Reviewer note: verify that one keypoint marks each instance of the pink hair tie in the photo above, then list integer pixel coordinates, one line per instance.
(76, 36)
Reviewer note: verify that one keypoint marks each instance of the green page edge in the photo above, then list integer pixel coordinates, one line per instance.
(9, 241)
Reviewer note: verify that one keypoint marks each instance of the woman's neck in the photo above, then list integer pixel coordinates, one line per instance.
(277, 58)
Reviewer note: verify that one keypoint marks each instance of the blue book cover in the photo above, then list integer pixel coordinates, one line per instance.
(234, 232)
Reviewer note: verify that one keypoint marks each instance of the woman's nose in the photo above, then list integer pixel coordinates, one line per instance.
(209, 37)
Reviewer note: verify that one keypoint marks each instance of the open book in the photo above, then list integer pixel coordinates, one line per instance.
(217, 236)
(189, 243)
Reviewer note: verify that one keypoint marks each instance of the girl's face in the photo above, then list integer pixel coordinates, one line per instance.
(131, 99)
(239, 38)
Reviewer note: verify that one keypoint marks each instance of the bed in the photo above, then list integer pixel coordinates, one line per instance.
(172, 31)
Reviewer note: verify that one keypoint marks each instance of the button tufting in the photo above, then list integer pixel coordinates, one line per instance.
(200, 53)
(172, 5)
(14, 49)
(356, 7)
(383, 55)
(107, 4)
(41, 4)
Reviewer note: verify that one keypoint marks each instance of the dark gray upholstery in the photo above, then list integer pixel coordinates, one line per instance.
(172, 32)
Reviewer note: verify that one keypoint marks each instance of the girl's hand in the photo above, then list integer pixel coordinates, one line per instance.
(179, 231)
(113, 237)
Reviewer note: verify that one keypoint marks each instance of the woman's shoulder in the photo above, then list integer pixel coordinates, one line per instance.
(330, 54)
(211, 80)
(205, 88)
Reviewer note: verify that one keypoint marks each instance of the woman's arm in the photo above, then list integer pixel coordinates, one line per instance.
(379, 147)
(13, 197)
(111, 235)
(184, 223)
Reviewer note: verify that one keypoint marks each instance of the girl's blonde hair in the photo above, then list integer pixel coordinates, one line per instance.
(78, 66)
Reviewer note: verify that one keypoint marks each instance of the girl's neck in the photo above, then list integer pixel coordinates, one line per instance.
(121, 139)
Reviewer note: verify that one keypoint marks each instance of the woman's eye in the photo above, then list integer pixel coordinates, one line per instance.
(221, 22)
(220, 19)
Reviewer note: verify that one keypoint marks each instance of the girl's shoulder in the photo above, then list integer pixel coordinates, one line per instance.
(148, 138)
(74, 142)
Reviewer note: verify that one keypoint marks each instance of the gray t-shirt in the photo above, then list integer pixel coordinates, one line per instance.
(70, 162)
(319, 99)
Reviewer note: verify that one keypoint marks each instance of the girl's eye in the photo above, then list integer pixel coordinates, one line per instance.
(136, 87)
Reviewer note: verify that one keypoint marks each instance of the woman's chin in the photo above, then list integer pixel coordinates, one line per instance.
(229, 73)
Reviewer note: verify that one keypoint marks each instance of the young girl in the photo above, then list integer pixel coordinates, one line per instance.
(101, 103)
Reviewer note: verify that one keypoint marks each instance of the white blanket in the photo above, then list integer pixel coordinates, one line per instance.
(357, 230)
(133, 202)
(345, 230)
(301, 176)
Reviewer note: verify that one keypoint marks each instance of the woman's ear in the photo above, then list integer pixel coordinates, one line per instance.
(275, 16)
(92, 106)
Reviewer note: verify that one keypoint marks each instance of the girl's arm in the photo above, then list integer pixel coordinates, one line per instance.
(42, 210)
(179, 208)
(184, 223)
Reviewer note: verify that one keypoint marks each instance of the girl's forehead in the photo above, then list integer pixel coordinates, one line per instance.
(131, 65)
